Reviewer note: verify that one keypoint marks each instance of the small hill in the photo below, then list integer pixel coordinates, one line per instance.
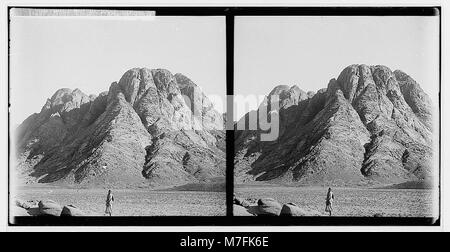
(412, 185)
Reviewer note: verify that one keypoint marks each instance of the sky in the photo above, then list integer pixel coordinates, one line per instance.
(49, 53)
(309, 51)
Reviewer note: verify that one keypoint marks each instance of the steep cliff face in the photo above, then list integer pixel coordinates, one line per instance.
(370, 125)
(140, 132)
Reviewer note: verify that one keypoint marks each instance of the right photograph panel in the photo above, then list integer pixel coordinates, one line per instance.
(336, 116)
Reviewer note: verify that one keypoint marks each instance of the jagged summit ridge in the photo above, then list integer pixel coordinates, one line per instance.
(141, 131)
(369, 125)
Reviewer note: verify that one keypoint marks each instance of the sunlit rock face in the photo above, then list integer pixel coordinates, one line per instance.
(143, 131)
(370, 125)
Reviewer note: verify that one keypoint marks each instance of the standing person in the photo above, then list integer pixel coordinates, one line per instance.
(329, 201)
(109, 202)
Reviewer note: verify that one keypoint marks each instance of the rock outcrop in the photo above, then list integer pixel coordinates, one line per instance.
(291, 209)
(18, 211)
(46, 207)
(143, 131)
(240, 211)
(269, 207)
(370, 125)
(71, 210)
(49, 208)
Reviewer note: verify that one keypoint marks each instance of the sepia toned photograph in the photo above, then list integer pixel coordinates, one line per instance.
(116, 113)
(336, 116)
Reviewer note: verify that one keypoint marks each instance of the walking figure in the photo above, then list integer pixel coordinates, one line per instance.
(329, 201)
(109, 203)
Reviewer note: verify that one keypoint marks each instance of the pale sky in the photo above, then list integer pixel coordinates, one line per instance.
(49, 53)
(309, 51)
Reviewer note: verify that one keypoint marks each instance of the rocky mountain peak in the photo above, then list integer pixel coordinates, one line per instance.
(136, 133)
(65, 100)
(378, 121)
(287, 95)
(278, 90)
(184, 82)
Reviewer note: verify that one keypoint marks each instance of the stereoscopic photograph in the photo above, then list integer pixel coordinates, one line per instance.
(129, 113)
(116, 113)
(336, 116)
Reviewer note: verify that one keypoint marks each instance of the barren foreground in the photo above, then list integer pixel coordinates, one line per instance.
(133, 202)
(351, 201)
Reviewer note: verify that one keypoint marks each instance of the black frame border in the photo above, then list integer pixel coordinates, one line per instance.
(229, 220)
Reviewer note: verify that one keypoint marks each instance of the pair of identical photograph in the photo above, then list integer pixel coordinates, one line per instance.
(127, 113)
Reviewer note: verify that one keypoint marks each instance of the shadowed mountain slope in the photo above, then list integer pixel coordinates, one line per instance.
(142, 132)
(370, 125)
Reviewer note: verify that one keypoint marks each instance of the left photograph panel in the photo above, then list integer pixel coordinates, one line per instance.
(116, 113)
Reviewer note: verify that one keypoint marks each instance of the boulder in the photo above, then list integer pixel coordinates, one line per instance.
(252, 201)
(269, 206)
(49, 207)
(241, 202)
(291, 209)
(71, 210)
(33, 203)
(19, 211)
(34, 211)
(23, 204)
(240, 211)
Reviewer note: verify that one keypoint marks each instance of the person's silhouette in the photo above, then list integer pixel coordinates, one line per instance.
(329, 201)
(109, 203)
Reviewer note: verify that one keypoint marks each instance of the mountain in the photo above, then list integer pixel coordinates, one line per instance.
(369, 126)
(151, 128)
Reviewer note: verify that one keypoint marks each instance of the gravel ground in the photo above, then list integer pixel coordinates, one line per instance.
(351, 201)
(131, 202)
